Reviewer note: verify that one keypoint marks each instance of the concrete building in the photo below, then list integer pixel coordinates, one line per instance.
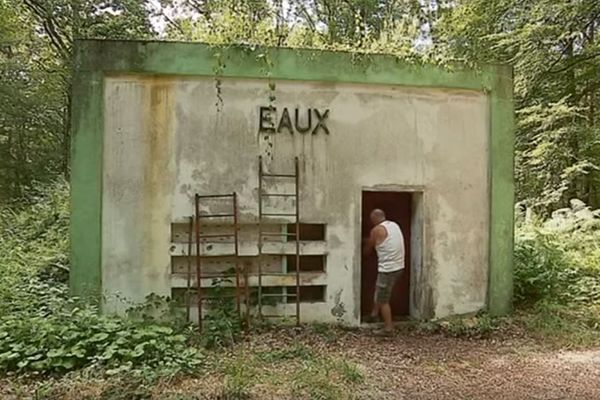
(157, 123)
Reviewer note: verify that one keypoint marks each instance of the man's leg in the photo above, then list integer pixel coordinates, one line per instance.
(386, 313)
(384, 293)
(374, 316)
(375, 312)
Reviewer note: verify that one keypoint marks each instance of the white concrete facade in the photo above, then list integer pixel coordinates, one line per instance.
(166, 139)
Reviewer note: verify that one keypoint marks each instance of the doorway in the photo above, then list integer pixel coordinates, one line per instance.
(398, 208)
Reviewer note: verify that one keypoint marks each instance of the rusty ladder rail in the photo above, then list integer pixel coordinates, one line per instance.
(198, 217)
(261, 235)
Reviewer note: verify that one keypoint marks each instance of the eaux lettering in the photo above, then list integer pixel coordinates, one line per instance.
(301, 123)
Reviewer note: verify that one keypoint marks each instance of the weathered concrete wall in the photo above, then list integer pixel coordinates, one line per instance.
(166, 139)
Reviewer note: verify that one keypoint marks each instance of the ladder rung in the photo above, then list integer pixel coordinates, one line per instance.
(278, 215)
(279, 195)
(215, 215)
(279, 295)
(293, 273)
(278, 234)
(279, 175)
(216, 236)
(213, 196)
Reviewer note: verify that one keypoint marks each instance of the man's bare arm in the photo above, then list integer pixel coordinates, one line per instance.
(377, 236)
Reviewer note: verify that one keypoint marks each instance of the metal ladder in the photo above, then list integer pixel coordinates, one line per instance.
(261, 234)
(195, 222)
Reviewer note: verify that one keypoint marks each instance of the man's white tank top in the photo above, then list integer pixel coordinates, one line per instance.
(390, 253)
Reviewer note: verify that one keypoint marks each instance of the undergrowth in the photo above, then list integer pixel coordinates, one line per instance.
(557, 284)
(44, 331)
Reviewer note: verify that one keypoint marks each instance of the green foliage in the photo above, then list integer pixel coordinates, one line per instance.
(44, 331)
(36, 45)
(32, 104)
(239, 379)
(350, 372)
(557, 283)
(306, 373)
(158, 308)
(553, 47)
(326, 331)
(479, 326)
(127, 389)
(221, 326)
(369, 26)
(297, 351)
(572, 325)
(325, 379)
(68, 336)
(564, 268)
(33, 244)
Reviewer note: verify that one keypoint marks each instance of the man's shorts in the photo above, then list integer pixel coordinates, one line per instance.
(384, 285)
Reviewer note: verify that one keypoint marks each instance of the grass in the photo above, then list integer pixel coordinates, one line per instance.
(296, 366)
(326, 331)
(292, 371)
(561, 326)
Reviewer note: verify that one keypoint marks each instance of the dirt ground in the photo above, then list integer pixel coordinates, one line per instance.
(431, 367)
(409, 365)
(418, 366)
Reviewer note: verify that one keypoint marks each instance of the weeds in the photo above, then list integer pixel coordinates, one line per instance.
(317, 386)
(222, 326)
(561, 267)
(351, 373)
(326, 331)
(239, 379)
(297, 351)
(296, 368)
(557, 284)
(562, 325)
(479, 326)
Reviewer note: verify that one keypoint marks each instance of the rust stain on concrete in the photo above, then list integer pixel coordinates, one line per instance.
(156, 147)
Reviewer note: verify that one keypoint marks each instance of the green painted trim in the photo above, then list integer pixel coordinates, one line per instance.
(196, 59)
(95, 59)
(86, 184)
(502, 194)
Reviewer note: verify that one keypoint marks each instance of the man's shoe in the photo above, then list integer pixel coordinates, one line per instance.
(371, 319)
(384, 332)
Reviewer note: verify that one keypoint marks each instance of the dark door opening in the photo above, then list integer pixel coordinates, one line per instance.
(398, 208)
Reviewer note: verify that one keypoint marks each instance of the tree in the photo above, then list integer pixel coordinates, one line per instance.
(361, 25)
(32, 104)
(553, 48)
(36, 49)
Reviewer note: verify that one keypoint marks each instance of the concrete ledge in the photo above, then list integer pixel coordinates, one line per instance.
(306, 279)
(251, 249)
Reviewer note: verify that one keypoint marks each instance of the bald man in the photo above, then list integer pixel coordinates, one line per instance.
(387, 240)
